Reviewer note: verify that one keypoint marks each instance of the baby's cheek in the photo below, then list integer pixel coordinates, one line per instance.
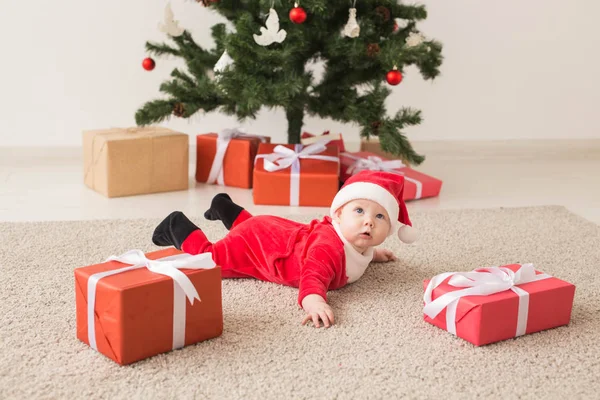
(385, 226)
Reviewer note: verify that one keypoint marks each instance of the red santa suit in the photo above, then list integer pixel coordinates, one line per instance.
(313, 257)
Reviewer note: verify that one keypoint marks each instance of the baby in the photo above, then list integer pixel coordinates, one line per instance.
(316, 257)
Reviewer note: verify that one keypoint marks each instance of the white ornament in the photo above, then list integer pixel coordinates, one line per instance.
(224, 62)
(272, 33)
(352, 29)
(401, 23)
(170, 26)
(414, 39)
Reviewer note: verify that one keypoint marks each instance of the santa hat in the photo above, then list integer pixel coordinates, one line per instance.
(384, 188)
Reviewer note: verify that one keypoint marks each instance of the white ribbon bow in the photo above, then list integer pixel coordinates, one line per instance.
(283, 157)
(223, 139)
(481, 282)
(374, 163)
(168, 266)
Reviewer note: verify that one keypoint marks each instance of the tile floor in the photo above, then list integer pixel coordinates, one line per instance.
(47, 183)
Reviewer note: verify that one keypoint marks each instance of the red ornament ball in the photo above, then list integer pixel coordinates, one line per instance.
(148, 64)
(297, 15)
(394, 77)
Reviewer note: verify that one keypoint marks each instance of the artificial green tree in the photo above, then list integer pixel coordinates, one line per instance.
(353, 88)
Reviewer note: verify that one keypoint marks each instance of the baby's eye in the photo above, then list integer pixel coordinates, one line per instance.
(359, 210)
(380, 216)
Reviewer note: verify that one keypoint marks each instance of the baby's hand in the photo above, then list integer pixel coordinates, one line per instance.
(317, 308)
(383, 255)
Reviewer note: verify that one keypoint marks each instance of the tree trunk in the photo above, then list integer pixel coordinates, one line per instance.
(295, 117)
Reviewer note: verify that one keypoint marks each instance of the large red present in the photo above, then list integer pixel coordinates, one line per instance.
(334, 140)
(138, 305)
(417, 184)
(497, 303)
(296, 175)
(227, 158)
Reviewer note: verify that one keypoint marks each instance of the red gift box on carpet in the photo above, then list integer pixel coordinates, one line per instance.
(138, 305)
(334, 140)
(296, 175)
(227, 158)
(417, 185)
(492, 304)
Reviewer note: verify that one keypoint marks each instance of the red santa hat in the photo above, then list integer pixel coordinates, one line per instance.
(384, 188)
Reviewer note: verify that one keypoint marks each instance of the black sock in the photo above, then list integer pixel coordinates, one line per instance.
(173, 230)
(222, 208)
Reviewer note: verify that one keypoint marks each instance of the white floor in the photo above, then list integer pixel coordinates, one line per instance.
(47, 183)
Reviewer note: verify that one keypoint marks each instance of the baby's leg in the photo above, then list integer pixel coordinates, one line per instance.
(173, 230)
(222, 208)
(236, 253)
(197, 243)
(233, 254)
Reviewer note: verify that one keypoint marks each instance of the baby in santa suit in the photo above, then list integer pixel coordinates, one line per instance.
(316, 257)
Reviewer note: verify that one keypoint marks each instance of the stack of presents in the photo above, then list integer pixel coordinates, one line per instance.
(124, 162)
(137, 305)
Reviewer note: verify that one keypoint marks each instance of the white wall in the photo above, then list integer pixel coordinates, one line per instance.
(513, 69)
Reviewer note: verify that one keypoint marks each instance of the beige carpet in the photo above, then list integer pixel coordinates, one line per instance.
(380, 348)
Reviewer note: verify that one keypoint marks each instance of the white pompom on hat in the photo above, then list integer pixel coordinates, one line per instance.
(384, 188)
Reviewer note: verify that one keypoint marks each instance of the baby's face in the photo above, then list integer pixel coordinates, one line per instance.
(364, 223)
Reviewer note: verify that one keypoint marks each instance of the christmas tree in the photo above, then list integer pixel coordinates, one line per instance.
(362, 44)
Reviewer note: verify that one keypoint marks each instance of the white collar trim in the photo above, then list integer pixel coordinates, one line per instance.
(356, 263)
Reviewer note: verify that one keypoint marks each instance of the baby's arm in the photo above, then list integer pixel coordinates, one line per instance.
(317, 274)
(383, 255)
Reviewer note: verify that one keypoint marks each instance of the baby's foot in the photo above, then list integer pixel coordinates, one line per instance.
(222, 208)
(212, 214)
(173, 230)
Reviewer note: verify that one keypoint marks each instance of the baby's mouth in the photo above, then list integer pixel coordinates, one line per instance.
(365, 234)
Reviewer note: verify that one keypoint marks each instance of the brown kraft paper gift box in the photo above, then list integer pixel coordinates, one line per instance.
(129, 161)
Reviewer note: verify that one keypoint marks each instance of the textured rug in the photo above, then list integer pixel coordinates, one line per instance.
(379, 348)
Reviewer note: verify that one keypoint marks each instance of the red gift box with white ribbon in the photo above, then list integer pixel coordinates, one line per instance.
(135, 305)
(227, 158)
(417, 185)
(296, 175)
(492, 304)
